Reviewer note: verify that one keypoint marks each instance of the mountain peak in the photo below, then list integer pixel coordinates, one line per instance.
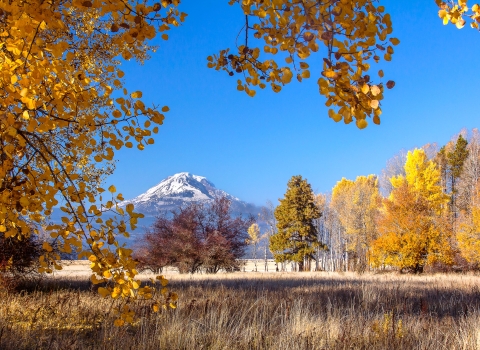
(179, 189)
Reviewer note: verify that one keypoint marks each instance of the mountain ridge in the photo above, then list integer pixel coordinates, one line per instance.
(181, 189)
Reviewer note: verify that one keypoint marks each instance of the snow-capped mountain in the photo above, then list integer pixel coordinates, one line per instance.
(181, 188)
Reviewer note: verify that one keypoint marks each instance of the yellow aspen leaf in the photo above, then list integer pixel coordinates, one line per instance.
(361, 123)
(460, 23)
(335, 116)
(365, 88)
(24, 202)
(164, 36)
(331, 74)
(104, 292)
(165, 109)
(107, 274)
(3, 228)
(136, 94)
(374, 104)
(380, 73)
(173, 305)
(375, 90)
(47, 247)
(286, 76)
(95, 280)
(276, 88)
(112, 189)
(119, 322)
(394, 41)
(156, 307)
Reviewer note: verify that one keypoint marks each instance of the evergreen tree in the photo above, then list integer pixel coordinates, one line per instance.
(456, 159)
(296, 239)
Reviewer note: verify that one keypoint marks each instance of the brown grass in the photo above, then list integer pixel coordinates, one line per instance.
(257, 311)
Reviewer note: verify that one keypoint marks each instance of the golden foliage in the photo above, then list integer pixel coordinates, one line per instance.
(468, 235)
(357, 204)
(455, 12)
(413, 230)
(60, 125)
(352, 35)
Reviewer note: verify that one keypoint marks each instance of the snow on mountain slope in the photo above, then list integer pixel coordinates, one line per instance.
(181, 188)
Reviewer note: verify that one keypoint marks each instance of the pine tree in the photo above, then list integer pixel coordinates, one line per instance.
(456, 159)
(296, 239)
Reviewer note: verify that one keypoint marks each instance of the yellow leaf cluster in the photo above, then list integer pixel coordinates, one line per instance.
(351, 34)
(456, 12)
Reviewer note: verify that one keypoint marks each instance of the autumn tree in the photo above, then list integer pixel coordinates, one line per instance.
(296, 239)
(357, 204)
(196, 237)
(253, 239)
(413, 230)
(468, 236)
(175, 241)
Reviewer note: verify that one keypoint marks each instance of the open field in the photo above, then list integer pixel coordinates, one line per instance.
(316, 310)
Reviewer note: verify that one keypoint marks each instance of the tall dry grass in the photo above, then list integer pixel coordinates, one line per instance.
(257, 311)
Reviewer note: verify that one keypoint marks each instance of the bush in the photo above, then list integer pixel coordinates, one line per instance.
(18, 259)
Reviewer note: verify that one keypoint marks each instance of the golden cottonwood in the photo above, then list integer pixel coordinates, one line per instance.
(413, 230)
(357, 204)
(468, 235)
(63, 114)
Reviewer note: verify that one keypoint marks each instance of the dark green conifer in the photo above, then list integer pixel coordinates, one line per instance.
(456, 159)
(296, 239)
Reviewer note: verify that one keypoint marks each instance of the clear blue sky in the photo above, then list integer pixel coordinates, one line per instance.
(250, 147)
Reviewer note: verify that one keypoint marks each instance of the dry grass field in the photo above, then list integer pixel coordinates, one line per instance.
(314, 310)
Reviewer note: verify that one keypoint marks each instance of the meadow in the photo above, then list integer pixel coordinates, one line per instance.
(275, 310)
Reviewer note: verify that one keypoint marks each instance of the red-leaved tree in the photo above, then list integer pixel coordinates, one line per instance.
(196, 237)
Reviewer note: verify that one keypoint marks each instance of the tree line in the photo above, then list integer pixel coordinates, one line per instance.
(422, 212)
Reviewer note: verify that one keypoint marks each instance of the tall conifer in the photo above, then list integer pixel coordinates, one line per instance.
(296, 239)
(456, 159)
